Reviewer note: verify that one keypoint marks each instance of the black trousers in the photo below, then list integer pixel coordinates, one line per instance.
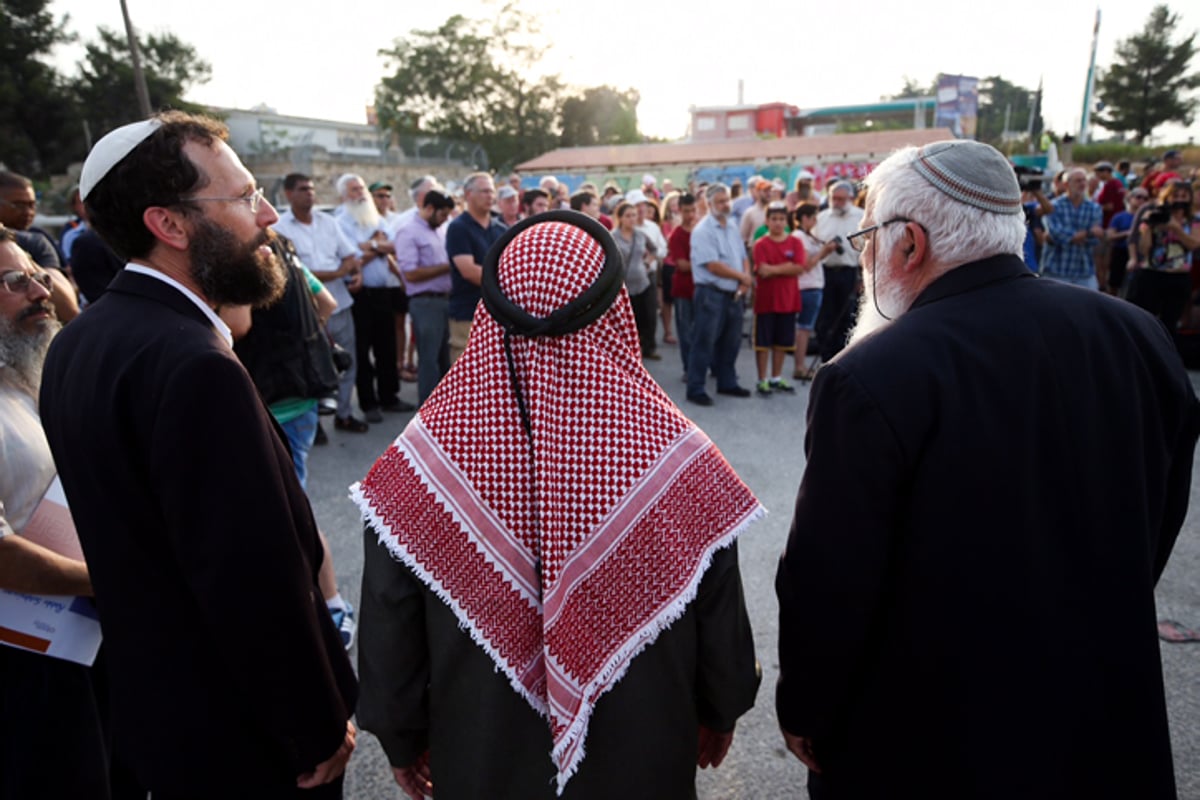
(839, 309)
(52, 739)
(1163, 294)
(378, 382)
(645, 306)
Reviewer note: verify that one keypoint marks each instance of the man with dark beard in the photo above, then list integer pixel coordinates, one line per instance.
(202, 548)
(966, 601)
(43, 698)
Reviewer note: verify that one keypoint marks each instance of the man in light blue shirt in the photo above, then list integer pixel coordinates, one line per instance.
(1074, 230)
(722, 276)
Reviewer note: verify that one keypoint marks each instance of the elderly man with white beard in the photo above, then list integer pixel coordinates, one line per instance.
(43, 698)
(967, 593)
(378, 380)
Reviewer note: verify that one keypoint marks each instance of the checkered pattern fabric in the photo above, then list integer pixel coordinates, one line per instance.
(562, 570)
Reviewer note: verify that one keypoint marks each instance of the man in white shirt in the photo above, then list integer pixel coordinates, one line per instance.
(333, 260)
(842, 278)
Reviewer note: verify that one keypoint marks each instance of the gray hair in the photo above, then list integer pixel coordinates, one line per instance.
(842, 184)
(472, 179)
(715, 189)
(958, 233)
(420, 185)
(346, 180)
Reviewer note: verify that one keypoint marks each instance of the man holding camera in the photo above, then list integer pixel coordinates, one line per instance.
(834, 224)
(1075, 231)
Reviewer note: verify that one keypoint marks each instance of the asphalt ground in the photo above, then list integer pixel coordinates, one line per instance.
(762, 437)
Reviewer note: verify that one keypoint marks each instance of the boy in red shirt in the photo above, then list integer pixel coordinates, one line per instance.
(778, 259)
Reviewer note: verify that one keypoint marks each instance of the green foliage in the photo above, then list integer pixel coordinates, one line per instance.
(105, 83)
(996, 95)
(37, 116)
(1115, 151)
(600, 115)
(1148, 85)
(470, 82)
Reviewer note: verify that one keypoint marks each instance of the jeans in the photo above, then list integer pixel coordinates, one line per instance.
(716, 337)
(300, 433)
(683, 326)
(431, 325)
(341, 330)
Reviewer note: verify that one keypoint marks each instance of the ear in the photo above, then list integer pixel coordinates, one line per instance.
(168, 226)
(915, 246)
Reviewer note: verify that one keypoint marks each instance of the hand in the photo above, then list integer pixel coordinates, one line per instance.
(1079, 237)
(1097, 231)
(746, 279)
(801, 747)
(333, 766)
(416, 780)
(355, 282)
(713, 747)
(765, 270)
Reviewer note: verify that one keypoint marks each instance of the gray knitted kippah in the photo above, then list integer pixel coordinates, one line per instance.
(971, 172)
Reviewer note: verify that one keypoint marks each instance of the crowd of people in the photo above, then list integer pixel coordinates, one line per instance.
(551, 601)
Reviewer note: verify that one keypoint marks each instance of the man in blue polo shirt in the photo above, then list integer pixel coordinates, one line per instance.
(468, 239)
(722, 276)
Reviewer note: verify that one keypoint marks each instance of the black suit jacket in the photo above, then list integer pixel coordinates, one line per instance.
(994, 484)
(202, 548)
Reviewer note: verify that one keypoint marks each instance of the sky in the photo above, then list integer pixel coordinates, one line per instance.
(317, 58)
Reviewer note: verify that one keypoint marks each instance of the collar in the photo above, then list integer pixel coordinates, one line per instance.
(217, 323)
(971, 276)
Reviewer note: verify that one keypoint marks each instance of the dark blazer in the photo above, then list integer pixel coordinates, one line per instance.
(994, 484)
(202, 548)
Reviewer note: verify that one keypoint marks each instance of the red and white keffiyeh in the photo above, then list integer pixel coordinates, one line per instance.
(563, 585)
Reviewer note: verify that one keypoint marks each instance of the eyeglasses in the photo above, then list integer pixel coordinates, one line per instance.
(858, 240)
(253, 200)
(18, 282)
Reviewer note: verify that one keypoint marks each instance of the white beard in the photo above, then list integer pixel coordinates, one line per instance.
(892, 299)
(364, 213)
(23, 354)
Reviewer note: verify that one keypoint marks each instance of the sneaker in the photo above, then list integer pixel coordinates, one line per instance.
(374, 415)
(700, 399)
(734, 391)
(343, 620)
(399, 407)
(780, 385)
(764, 387)
(327, 406)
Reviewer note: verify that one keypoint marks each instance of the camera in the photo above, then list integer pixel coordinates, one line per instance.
(1158, 215)
(342, 360)
(1030, 179)
(838, 247)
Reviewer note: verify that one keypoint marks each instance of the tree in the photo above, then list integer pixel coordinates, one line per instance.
(38, 124)
(104, 87)
(1149, 83)
(475, 83)
(999, 98)
(600, 115)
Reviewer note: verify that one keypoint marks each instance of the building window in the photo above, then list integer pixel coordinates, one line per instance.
(739, 123)
(706, 123)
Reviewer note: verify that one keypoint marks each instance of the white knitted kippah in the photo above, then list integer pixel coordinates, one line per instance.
(971, 172)
(109, 151)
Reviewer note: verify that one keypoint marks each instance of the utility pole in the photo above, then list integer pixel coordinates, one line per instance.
(1085, 121)
(139, 77)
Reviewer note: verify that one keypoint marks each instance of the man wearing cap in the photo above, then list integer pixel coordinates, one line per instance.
(550, 559)
(1172, 160)
(508, 203)
(805, 194)
(228, 677)
(1111, 195)
(969, 570)
(333, 260)
(1073, 231)
(426, 270)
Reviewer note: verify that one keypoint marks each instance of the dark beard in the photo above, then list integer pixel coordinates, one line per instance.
(233, 274)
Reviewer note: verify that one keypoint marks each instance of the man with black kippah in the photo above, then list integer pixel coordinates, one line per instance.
(967, 594)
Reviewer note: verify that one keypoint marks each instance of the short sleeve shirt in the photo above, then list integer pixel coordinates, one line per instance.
(465, 236)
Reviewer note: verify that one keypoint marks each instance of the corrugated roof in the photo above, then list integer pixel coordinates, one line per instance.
(841, 147)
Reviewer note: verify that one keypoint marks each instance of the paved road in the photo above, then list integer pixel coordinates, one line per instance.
(763, 439)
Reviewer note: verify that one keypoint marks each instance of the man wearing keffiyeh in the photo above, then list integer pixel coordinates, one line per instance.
(550, 554)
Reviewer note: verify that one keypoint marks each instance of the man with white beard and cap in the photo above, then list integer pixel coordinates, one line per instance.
(967, 593)
(834, 224)
(228, 677)
(378, 378)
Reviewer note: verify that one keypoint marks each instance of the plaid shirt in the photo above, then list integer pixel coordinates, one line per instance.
(1061, 258)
